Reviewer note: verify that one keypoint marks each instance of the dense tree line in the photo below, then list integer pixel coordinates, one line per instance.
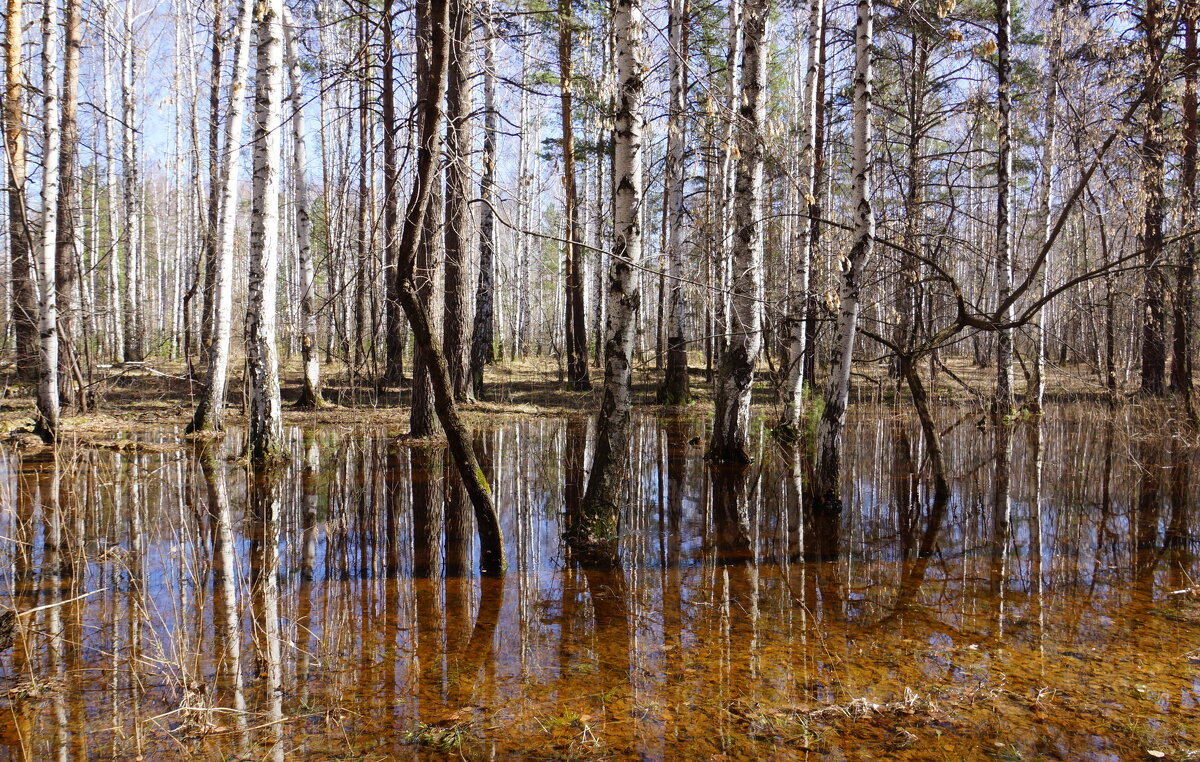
(754, 191)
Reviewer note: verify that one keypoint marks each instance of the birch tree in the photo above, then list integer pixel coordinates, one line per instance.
(210, 408)
(1037, 383)
(731, 428)
(827, 477)
(798, 294)
(394, 364)
(1004, 234)
(675, 386)
(597, 524)
(47, 395)
(310, 390)
(134, 336)
(265, 438)
(116, 319)
(24, 286)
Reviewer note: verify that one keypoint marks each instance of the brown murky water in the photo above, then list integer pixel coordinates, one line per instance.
(1046, 612)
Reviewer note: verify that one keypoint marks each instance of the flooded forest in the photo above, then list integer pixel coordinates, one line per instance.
(475, 379)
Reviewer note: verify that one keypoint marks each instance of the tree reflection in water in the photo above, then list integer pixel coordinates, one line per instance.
(333, 610)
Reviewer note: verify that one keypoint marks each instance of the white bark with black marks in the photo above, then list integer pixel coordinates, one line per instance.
(599, 514)
(209, 411)
(827, 481)
(47, 393)
(265, 439)
(731, 427)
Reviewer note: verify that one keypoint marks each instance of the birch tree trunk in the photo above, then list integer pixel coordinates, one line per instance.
(212, 256)
(1037, 385)
(68, 245)
(1004, 235)
(827, 477)
(676, 389)
(483, 339)
(265, 438)
(733, 88)
(134, 347)
(25, 288)
(210, 409)
(731, 427)
(800, 275)
(457, 232)
(393, 373)
(47, 394)
(310, 391)
(116, 320)
(430, 115)
(598, 523)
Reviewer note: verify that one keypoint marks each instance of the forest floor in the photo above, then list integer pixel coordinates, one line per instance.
(124, 397)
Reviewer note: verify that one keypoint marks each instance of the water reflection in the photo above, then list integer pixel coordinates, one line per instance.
(179, 609)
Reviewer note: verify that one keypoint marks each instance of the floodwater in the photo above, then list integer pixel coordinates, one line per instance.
(1048, 611)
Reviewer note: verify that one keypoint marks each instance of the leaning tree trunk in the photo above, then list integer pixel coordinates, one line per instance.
(47, 394)
(24, 286)
(798, 296)
(827, 476)
(482, 340)
(575, 330)
(596, 530)
(310, 391)
(1004, 236)
(210, 409)
(675, 389)
(430, 115)
(68, 244)
(735, 381)
(455, 337)
(265, 439)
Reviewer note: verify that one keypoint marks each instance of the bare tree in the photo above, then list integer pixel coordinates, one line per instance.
(265, 439)
(430, 115)
(457, 232)
(675, 386)
(310, 391)
(25, 288)
(483, 338)
(731, 429)
(827, 477)
(68, 246)
(47, 396)
(595, 529)
(210, 408)
(573, 322)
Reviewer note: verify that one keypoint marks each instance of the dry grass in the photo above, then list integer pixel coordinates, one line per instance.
(126, 399)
